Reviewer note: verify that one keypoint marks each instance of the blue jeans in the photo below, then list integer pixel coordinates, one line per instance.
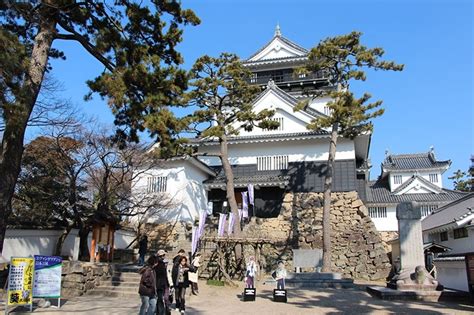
(281, 284)
(148, 305)
(141, 259)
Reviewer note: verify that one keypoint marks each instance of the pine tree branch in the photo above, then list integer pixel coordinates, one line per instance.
(85, 43)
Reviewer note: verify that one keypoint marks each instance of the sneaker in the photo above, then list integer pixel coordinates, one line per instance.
(182, 311)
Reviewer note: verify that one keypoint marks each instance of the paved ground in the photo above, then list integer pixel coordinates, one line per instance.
(218, 300)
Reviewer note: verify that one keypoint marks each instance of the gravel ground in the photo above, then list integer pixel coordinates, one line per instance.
(225, 300)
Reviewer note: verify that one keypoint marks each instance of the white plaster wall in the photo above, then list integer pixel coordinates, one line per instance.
(185, 192)
(458, 246)
(390, 223)
(294, 121)
(452, 274)
(298, 151)
(25, 243)
(319, 103)
(406, 176)
(122, 238)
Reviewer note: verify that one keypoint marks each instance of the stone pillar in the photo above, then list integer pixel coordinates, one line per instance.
(410, 235)
(412, 275)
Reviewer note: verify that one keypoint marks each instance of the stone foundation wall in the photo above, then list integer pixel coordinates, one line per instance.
(358, 250)
(79, 277)
(170, 236)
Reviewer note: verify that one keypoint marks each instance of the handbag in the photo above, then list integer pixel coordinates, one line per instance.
(193, 277)
(274, 275)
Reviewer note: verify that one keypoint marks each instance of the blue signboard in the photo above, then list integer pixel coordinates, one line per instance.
(47, 277)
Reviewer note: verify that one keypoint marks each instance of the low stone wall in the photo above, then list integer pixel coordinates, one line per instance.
(79, 277)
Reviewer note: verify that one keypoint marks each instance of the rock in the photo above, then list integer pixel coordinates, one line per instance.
(357, 203)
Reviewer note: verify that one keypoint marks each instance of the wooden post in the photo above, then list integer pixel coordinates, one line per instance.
(93, 243)
(112, 239)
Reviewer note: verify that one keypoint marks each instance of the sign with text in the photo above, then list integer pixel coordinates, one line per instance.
(47, 280)
(20, 281)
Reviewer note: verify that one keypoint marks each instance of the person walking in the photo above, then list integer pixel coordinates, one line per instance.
(180, 254)
(193, 276)
(142, 248)
(147, 288)
(162, 284)
(181, 282)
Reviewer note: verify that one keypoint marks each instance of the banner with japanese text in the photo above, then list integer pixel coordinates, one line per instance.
(20, 281)
(47, 280)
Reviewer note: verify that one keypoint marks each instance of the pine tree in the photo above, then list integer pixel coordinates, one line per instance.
(342, 59)
(134, 43)
(224, 97)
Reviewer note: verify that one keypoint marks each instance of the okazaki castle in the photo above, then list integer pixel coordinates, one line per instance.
(291, 159)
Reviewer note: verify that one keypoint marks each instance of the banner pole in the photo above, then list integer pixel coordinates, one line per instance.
(8, 288)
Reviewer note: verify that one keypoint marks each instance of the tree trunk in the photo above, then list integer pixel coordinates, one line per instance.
(16, 119)
(327, 200)
(229, 183)
(84, 254)
(61, 239)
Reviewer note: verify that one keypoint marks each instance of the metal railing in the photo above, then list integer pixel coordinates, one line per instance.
(286, 78)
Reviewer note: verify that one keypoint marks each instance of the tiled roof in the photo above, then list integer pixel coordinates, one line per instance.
(263, 138)
(450, 213)
(243, 181)
(286, 41)
(416, 161)
(421, 179)
(378, 192)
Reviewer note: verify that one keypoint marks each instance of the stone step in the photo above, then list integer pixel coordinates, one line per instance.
(314, 276)
(326, 284)
(108, 293)
(120, 283)
(119, 288)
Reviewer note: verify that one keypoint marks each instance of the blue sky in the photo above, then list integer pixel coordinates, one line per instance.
(430, 103)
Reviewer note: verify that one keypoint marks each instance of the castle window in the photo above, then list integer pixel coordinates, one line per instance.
(426, 210)
(253, 78)
(327, 111)
(156, 184)
(378, 212)
(443, 236)
(397, 179)
(460, 233)
(280, 127)
(271, 163)
(433, 178)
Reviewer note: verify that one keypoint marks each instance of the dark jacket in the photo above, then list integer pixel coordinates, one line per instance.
(147, 282)
(174, 275)
(161, 276)
(143, 246)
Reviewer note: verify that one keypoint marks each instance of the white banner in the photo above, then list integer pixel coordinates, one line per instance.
(221, 227)
(251, 194)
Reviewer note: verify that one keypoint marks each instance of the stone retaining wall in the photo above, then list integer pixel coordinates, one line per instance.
(358, 250)
(79, 277)
(170, 236)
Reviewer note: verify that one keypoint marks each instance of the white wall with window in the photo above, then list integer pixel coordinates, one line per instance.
(459, 240)
(384, 217)
(398, 178)
(179, 184)
(296, 150)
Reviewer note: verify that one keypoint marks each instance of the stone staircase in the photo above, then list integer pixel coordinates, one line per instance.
(123, 283)
(318, 280)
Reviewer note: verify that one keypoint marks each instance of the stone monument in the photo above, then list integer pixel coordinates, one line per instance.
(412, 274)
(412, 281)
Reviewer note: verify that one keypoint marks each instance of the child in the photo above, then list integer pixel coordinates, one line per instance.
(252, 269)
(280, 275)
